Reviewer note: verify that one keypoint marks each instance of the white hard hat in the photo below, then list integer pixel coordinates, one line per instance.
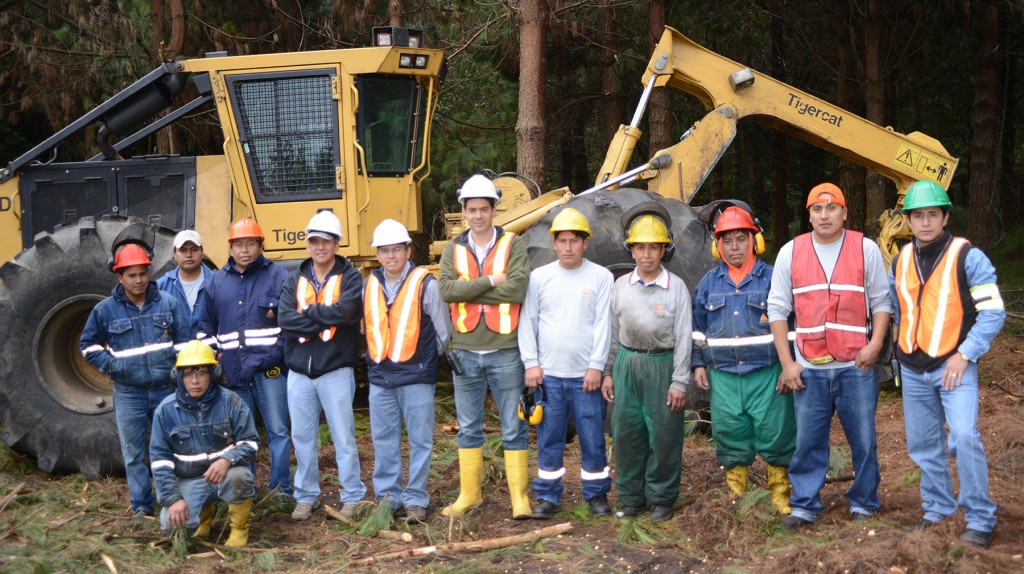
(324, 224)
(390, 232)
(479, 186)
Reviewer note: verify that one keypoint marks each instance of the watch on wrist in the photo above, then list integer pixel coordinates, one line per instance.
(965, 357)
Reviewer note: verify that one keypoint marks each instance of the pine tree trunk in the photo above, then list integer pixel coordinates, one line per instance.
(874, 100)
(530, 135)
(983, 219)
(780, 167)
(609, 82)
(851, 97)
(659, 115)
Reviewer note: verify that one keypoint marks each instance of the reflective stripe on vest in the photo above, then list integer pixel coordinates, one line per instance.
(931, 316)
(393, 335)
(306, 295)
(502, 318)
(831, 315)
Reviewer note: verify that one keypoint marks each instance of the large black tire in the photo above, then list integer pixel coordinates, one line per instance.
(691, 261)
(54, 406)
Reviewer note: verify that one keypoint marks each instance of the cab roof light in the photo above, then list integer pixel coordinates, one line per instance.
(398, 36)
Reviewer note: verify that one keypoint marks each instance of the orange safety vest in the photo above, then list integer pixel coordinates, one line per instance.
(931, 315)
(306, 295)
(393, 335)
(502, 318)
(831, 315)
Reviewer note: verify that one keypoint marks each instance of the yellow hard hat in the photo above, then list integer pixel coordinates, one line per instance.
(195, 353)
(570, 219)
(647, 229)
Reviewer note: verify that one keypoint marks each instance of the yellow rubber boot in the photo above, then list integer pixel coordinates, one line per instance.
(778, 484)
(736, 479)
(517, 469)
(471, 475)
(239, 515)
(205, 518)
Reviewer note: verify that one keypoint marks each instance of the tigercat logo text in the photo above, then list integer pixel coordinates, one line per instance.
(5, 204)
(289, 237)
(814, 111)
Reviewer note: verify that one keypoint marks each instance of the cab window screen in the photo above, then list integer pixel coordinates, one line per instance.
(289, 132)
(389, 125)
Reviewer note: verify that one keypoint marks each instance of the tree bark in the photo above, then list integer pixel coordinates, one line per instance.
(874, 100)
(851, 97)
(780, 168)
(609, 81)
(660, 116)
(983, 218)
(530, 133)
(395, 11)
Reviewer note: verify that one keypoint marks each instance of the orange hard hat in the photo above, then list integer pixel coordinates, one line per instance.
(130, 255)
(245, 228)
(734, 218)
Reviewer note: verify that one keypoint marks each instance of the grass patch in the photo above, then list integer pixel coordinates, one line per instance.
(640, 530)
(839, 461)
(909, 478)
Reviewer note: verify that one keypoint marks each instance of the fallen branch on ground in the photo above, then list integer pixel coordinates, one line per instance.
(471, 546)
(840, 478)
(10, 496)
(393, 535)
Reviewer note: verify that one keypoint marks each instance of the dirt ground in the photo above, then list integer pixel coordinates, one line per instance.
(711, 531)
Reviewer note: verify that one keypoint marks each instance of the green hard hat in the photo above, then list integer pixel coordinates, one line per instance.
(925, 193)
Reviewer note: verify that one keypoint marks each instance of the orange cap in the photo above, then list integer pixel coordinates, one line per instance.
(826, 188)
(245, 228)
(129, 256)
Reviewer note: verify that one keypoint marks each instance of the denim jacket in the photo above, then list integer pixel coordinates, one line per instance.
(730, 322)
(171, 283)
(190, 434)
(133, 346)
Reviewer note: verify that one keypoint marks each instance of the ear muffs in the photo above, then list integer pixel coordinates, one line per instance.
(758, 244)
(216, 374)
(531, 409)
(717, 208)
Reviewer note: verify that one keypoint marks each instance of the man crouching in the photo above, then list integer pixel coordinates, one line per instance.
(202, 443)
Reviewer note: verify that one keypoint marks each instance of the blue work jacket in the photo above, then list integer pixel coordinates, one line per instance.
(190, 434)
(239, 317)
(171, 283)
(730, 322)
(133, 346)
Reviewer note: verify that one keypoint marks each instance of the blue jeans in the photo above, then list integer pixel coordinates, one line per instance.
(133, 411)
(502, 371)
(234, 489)
(271, 396)
(853, 395)
(565, 398)
(331, 393)
(926, 408)
(389, 406)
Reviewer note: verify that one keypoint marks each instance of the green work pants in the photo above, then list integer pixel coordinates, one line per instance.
(749, 417)
(647, 435)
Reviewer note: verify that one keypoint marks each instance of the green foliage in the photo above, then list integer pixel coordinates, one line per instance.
(379, 519)
(839, 460)
(909, 478)
(641, 530)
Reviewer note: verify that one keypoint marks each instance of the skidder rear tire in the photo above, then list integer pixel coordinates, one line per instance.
(54, 406)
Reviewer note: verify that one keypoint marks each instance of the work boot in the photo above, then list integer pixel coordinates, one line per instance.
(239, 515)
(471, 475)
(736, 479)
(778, 484)
(545, 510)
(205, 519)
(517, 469)
(599, 506)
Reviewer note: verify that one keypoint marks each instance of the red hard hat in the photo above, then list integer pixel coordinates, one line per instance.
(245, 228)
(734, 218)
(130, 255)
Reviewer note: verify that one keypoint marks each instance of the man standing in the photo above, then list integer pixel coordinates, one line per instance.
(734, 355)
(484, 275)
(321, 305)
(203, 441)
(564, 333)
(833, 280)
(648, 370)
(239, 315)
(130, 337)
(185, 282)
(406, 329)
(949, 311)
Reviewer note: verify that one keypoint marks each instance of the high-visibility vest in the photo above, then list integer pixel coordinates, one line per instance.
(393, 331)
(831, 315)
(502, 318)
(931, 314)
(306, 295)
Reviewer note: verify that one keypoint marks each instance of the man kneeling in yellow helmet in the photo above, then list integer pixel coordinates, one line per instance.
(202, 443)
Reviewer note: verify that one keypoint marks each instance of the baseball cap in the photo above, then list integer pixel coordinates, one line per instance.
(322, 234)
(826, 188)
(186, 236)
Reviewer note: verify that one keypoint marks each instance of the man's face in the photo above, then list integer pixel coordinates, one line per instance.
(245, 251)
(196, 380)
(570, 247)
(927, 224)
(189, 257)
(735, 246)
(393, 257)
(827, 219)
(479, 214)
(647, 256)
(321, 250)
(135, 280)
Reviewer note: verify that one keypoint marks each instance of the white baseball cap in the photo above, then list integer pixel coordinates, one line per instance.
(185, 236)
